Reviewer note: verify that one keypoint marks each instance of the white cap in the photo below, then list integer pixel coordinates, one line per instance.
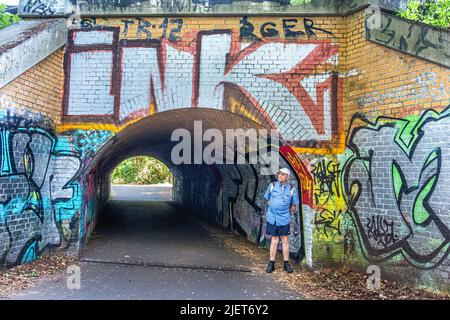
(285, 170)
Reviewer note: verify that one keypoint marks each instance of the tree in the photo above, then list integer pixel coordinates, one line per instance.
(433, 12)
(141, 170)
(7, 18)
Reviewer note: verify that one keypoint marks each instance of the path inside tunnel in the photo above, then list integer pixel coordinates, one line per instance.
(147, 230)
(154, 249)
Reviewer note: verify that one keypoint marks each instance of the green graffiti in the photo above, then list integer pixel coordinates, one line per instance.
(420, 213)
(396, 187)
(398, 181)
(410, 127)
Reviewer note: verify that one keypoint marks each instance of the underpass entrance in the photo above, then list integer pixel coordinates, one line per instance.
(143, 225)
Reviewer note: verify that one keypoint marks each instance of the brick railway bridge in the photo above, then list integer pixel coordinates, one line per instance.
(358, 95)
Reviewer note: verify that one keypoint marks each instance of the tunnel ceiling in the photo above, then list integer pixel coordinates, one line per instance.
(152, 135)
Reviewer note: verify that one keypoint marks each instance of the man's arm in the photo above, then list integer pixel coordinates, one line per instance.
(267, 195)
(295, 201)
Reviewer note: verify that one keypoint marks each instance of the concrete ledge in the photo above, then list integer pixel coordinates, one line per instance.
(24, 44)
(417, 39)
(202, 7)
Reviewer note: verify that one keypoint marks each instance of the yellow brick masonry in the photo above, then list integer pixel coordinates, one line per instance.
(376, 80)
(388, 82)
(39, 89)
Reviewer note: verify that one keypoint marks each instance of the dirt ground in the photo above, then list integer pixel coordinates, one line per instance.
(27, 275)
(342, 284)
(325, 284)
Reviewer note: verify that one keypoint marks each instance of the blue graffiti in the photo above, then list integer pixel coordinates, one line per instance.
(39, 197)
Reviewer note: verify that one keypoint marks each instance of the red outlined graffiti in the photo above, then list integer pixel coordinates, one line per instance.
(306, 180)
(291, 84)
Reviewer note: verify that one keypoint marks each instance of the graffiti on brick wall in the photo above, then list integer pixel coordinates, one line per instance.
(329, 201)
(242, 206)
(39, 197)
(288, 28)
(87, 143)
(396, 185)
(243, 200)
(420, 40)
(326, 180)
(40, 7)
(149, 29)
(306, 197)
(170, 28)
(276, 80)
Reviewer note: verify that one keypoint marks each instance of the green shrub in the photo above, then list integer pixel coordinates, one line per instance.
(7, 18)
(433, 12)
(141, 170)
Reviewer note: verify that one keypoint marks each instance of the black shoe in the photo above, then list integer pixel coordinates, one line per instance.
(287, 267)
(270, 267)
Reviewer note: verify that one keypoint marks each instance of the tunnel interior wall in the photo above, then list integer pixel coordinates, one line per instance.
(371, 135)
(233, 197)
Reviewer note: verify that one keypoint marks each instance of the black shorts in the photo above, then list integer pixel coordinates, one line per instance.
(276, 231)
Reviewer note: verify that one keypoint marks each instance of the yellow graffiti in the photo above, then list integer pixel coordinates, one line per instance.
(93, 126)
(28, 162)
(61, 128)
(237, 107)
(329, 203)
(338, 149)
(152, 109)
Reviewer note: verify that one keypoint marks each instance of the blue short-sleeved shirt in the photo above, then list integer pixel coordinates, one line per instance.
(280, 201)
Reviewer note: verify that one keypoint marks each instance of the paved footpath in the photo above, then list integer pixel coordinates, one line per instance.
(153, 250)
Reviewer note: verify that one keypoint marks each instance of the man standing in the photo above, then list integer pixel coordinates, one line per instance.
(282, 200)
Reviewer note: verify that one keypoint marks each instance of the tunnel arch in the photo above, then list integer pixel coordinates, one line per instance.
(230, 195)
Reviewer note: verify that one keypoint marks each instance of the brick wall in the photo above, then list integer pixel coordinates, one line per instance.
(368, 123)
(210, 62)
(387, 82)
(374, 86)
(37, 167)
(380, 199)
(39, 89)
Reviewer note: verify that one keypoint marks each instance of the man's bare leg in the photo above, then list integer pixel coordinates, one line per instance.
(285, 242)
(273, 253)
(274, 248)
